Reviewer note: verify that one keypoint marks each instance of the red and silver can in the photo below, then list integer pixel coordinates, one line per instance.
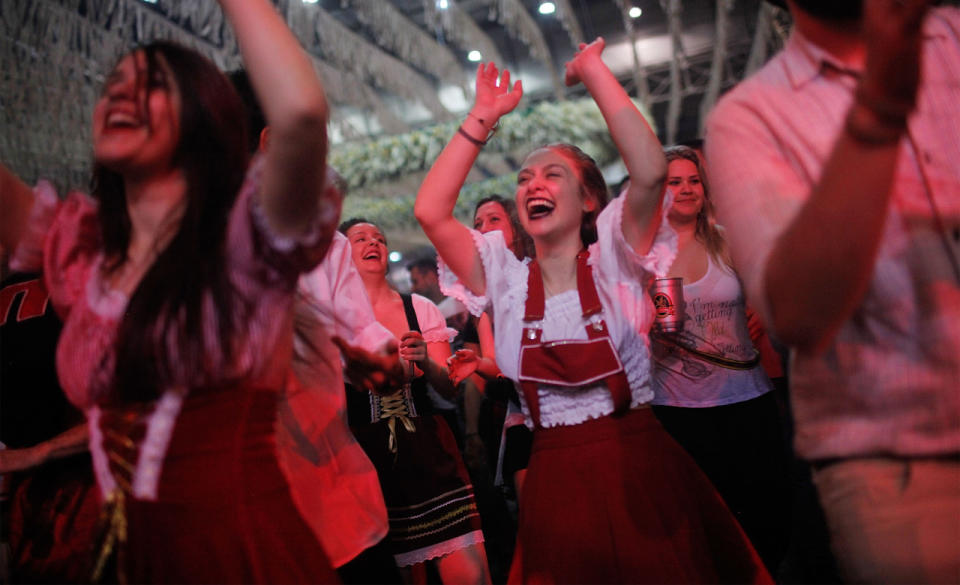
(667, 295)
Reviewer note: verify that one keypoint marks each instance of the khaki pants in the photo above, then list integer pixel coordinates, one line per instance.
(893, 520)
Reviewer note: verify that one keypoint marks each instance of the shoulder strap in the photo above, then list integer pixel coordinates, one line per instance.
(411, 313)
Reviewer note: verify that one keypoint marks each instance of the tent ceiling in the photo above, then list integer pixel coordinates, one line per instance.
(390, 67)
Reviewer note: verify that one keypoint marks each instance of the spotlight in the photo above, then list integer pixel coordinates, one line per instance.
(474, 56)
(395, 256)
(547, 8)
(635, 12)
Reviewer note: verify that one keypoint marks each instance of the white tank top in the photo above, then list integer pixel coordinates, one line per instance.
(715, 322)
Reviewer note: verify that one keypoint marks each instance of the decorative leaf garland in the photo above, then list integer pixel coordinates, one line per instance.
(386, 158)
(368, 165)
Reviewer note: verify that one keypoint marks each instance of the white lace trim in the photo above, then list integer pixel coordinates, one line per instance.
(106, 302)
(328, 211)
(445, 334)
(160, 425)
(621, 275)
(663, 250)
(433, 325)
(438, 550)
(562, 405)
(499, 265)
(101, 464)
(451, 286)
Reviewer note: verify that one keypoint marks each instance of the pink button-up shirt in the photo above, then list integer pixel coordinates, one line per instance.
(890, 382)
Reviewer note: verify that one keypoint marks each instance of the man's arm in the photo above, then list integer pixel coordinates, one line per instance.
(68, 443)
(819, 267)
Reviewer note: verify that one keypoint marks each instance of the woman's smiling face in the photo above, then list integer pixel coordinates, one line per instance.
(492, 216)
(549, 198)
(683, 178)
(368, 248)
(136, 121)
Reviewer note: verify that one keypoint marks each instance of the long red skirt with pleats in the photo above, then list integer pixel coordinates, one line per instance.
(616, 500)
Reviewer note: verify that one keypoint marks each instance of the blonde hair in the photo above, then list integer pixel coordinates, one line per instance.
(707, 232)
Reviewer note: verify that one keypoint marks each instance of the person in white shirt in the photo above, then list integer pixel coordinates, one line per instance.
(835, 173)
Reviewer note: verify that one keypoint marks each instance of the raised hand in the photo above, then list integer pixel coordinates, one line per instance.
(493, 100)
(373, 372)
(585, 57)
(893, 33)
(462, 365)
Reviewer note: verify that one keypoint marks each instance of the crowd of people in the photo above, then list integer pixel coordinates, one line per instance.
(241, 395)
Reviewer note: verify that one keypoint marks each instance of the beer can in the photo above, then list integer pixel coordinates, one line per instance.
(667, 295)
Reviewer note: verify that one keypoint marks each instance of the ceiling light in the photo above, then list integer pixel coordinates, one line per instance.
(547, 8)
(474, 56)
(310, 1)
(395, 256)
(150, 1)
(442, 4)
(635, 12)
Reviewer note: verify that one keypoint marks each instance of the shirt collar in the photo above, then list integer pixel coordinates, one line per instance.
(804, 60)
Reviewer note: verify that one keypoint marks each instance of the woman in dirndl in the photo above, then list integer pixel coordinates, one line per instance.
(176, 283)
(609, 497)
(431, 508)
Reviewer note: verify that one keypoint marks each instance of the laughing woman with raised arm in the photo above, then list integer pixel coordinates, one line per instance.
(175, 282)
(571, 331)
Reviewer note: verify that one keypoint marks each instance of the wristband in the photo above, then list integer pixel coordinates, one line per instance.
(886, 111)
(490, 129)
(864, 126)
(479, 143)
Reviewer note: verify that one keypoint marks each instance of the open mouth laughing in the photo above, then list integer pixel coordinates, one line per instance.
(538, 208)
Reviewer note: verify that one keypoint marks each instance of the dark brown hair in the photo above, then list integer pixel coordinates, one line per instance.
(522, 245)
(190, 274)
(347, 224)
(591, 185)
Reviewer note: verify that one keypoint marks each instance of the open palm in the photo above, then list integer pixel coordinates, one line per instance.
(493, 100)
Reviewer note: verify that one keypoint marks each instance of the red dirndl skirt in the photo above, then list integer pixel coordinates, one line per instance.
(224, 512)
(616, 500)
